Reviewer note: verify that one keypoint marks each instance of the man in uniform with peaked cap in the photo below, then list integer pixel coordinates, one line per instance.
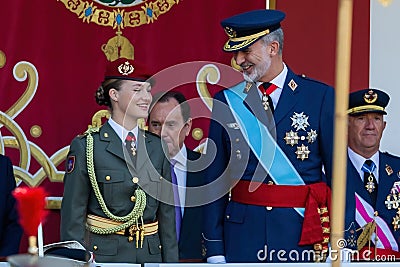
(118, 199)
(373, 179)
(272, 137)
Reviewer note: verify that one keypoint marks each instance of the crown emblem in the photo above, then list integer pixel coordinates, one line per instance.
(125, 68)
(230, 32)
(370, 97)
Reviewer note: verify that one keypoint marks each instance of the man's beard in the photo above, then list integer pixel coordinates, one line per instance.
(258, 71)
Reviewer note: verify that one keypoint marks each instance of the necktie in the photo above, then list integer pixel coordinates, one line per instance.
(266, 89)
(130, 143)
(178, 211)
(370, 182)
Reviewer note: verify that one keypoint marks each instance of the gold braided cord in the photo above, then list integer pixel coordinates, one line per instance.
(140, 195)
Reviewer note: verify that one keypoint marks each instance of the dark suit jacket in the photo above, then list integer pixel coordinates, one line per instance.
(10, 230)
(116, 185)
(240, 231)
(385, 183)
(190, 241)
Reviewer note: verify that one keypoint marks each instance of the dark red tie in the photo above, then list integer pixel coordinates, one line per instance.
(130, 143)
(266, 90)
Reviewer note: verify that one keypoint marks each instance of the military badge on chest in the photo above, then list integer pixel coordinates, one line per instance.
(393, 202)
(300, 135)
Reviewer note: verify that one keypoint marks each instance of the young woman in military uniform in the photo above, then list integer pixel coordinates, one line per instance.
(117, 190)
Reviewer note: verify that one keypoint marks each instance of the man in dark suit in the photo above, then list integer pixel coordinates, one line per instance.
(270, 138)
(373, 179)
(170, 118)
(10, 230)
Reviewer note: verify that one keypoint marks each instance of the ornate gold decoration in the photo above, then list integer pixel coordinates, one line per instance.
(197, 134)
(93, 12)
(36, 131)
(208, 73)
(117, 47)
(2, 59)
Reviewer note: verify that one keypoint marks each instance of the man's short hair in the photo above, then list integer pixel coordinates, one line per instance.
(163, 97)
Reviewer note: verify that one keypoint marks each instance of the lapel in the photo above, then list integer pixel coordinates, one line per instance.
(288, 98)
(254, 104)
(145, 149)
(107, 134)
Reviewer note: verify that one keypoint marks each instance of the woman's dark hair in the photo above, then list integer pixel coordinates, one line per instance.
(102, 96)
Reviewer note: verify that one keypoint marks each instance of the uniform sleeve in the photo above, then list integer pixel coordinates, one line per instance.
(12, 231)
(218, 153)
(76, 194)
(166, 218)
(327, 132)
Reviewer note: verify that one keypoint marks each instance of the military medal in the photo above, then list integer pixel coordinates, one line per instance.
(302, 152)
(265, 102)
(396, 221)
(133, 149)
(370, 186)
(300, 121)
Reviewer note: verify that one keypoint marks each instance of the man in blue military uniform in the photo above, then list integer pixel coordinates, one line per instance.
(272, 140)
(373, 179)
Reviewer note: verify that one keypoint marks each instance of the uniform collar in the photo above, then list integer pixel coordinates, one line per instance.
(121, 131)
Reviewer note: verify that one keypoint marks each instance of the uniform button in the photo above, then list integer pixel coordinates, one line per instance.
(105, 135)
(237, 140)
(161, 177)
(135, 180)
(227, 217)
(108, 178)
(303, 138)
(268, 208)
(133, 198)
(159, 246)
(94, 247)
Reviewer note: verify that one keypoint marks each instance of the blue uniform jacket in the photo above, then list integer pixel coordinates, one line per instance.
(10, 230)
(248, 233)
(385, 184)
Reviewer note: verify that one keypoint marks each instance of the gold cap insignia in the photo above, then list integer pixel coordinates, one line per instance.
(370, 97)
(230, 32)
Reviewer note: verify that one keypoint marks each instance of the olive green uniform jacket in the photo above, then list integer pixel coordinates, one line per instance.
(114, 175)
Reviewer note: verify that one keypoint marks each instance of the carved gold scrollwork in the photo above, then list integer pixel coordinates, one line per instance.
(208, 73)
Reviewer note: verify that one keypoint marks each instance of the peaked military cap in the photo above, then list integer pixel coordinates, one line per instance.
(368, 100)
(126, 69)
(246, 28)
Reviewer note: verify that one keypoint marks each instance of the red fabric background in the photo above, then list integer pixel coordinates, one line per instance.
(67, 55)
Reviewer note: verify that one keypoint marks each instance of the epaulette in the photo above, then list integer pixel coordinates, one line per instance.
(391, 155)
(303, 76)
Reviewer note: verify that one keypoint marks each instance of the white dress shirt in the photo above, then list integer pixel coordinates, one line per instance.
(358, 161)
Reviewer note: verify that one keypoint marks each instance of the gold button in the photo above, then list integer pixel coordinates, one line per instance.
(133, 198)
(130, 239)
(161, 177)
(270, 182)
(237, 140)
(135, 180)
(94, 247)
(105, 135)
(108, 178)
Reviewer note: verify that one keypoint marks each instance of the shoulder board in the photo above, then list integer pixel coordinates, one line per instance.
(391, 155)
(303, 76)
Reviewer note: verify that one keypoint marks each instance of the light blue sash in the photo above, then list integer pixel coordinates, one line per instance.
(262, 144)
